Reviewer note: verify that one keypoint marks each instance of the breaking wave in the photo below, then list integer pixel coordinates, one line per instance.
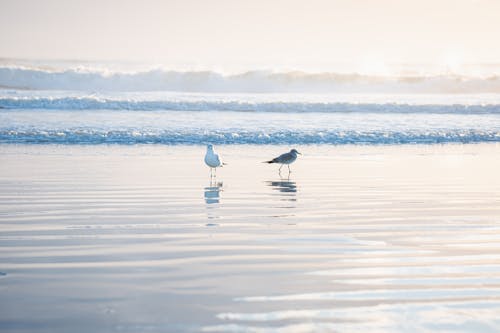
(98, 103)
(18, 77)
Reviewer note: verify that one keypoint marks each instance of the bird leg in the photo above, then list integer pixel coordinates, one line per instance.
(289, 171)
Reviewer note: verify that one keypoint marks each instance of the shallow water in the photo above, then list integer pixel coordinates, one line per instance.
(139, 239)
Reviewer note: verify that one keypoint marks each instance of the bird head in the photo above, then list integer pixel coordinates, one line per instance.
(210, 147)
(294, 151)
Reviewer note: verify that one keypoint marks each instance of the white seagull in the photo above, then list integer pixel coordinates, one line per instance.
(286, 158)
(212, 159)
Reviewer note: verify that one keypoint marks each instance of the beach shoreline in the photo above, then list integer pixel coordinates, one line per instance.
(139, 238)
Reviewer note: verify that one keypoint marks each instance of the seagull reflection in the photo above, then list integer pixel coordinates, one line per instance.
(285, 186)
(212, 193)
(212, 200)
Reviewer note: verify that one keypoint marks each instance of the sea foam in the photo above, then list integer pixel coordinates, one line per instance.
(236, 127)
(138, 136)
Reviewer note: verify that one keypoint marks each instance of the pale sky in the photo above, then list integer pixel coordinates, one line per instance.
(256, 33)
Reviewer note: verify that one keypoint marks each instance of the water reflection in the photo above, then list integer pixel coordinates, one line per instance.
(286, 187)
(212, 192)
(212, 197)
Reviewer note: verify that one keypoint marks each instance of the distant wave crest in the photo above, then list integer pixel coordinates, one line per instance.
(95, 103)
(252, 81)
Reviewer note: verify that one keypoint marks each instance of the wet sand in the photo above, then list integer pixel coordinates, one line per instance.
(358, 238)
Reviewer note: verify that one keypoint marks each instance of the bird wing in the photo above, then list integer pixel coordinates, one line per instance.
(283, 158)
(217, 159)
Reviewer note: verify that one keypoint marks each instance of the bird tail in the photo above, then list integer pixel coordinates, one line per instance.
(268, 162)
(224, 163)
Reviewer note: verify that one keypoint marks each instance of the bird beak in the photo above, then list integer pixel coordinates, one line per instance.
(299, 153)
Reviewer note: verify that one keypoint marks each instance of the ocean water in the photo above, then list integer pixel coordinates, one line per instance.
(68, 103)
(110, 222)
